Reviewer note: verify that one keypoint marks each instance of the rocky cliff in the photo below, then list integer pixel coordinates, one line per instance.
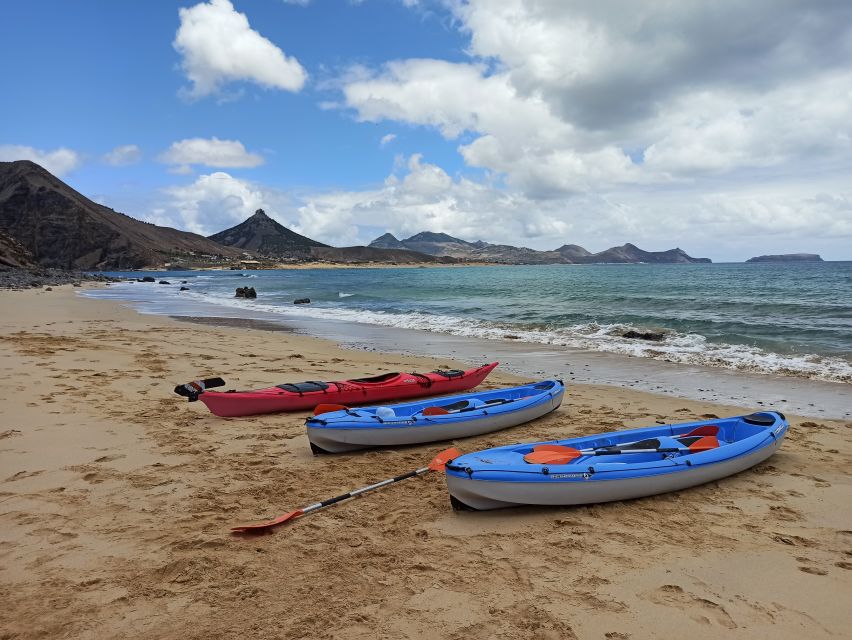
(62, 228)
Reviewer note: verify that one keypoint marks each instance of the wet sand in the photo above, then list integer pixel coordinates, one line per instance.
(116, 497)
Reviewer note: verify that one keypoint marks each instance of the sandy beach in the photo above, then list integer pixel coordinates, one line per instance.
(116, 497)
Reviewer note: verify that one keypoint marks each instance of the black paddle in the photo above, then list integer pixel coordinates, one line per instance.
(194, 389)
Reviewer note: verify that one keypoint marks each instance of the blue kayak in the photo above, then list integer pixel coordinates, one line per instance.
(613, 466)
(446, 418)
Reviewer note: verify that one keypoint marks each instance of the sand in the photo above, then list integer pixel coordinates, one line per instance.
(116, 496)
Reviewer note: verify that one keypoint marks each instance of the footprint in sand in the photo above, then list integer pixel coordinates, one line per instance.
(700, 609)
(117, 456)
(816, 571)
(844, 565)
(23, 474)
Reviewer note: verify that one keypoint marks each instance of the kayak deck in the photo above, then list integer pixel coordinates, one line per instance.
(443, 418)
(501, 477)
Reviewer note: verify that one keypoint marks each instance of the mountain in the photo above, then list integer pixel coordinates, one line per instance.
(630, 253)
(358, 255)
(13, 253)
(64, 229)
(262, 235)
(573, 252)
(435, 244)
(788, 257)
(442, 244)
(387, 241)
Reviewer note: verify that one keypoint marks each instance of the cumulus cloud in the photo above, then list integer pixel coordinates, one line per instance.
(213, 202)
(218, 46)
(563, 97)
(210, 152)
(723, 224)
(387, 139)
(123, 155)
(59, 162)
(425, 197)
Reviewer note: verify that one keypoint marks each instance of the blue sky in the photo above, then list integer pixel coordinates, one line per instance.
(531, 123)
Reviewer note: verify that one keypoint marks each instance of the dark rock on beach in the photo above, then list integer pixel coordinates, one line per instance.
(246, 292)
(12, 278)
(643, 335)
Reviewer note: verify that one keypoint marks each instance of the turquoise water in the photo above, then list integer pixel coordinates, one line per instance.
(793, 319)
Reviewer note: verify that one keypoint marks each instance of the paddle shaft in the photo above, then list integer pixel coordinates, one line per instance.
(437, 464)
(357, 492)
(615, 452)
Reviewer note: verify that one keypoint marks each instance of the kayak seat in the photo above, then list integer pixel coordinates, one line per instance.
(456, 406)
(303, 387)
(376, 379)
(452, 373)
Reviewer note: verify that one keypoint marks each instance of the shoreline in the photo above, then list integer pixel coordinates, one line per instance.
(117, 497)
(790, 357)
(749, 390)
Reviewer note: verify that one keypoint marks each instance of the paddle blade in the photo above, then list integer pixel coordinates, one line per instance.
(552, 454)
(440, 461)
(328, 408)
(704, 444)
(262, 526)
(706, 430)
(435, 411)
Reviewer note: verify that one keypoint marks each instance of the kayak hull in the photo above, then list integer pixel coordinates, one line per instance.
(349, 392)
(591, 481)
(348, 434)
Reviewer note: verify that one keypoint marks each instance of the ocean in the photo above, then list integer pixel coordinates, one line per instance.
(789, 319)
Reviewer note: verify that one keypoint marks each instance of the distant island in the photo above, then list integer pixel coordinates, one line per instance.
(46, 223)
(788, 257)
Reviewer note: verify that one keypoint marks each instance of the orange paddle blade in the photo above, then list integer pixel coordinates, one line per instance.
(552, 454)
(440, 461)
(328, 408)
(435, 411)
(706, 430)
(705, 444)
(261, 526)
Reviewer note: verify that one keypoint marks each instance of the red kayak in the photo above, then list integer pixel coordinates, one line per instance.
(301, 396)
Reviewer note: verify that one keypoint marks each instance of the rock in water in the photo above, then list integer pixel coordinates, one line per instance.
(164, 282)
(302, 301)
(246, 292)
(148, 279)
(643, 335)
(184, 288)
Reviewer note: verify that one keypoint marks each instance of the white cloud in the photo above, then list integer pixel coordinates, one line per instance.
(217, 201)
(387, 139)
(212, 203)
(729, 224)
(210, 152)
(633, 122)
(427, 198)
(563, 97)
(219, 46)
(123, 155)
(59, 162)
